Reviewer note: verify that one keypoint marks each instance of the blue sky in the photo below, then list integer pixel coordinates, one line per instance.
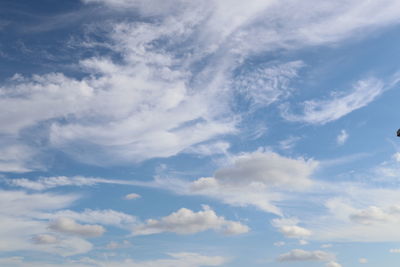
(199, 133)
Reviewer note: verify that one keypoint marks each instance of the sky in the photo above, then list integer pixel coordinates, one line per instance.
(185, 133)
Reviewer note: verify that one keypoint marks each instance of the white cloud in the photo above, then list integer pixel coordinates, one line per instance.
(396, 156)
(374, 214)
(333, 264)
(132, 196)
(256, 179)
(269, 169)
(303, 255)
(16, 157)
(357, 213)
(69, 226)
(105, 217)
(289, 228)
(21, 203)
(310, 22)
(289, 143)
(185, 221)
(45, 239)
(23, 229)
(342, 137)
(44, 183)
(303, 242)
(394, 250)
(339, 105)
(182, 259)
(363, 260)
(209, 149)
(267, 84)
(174, 79)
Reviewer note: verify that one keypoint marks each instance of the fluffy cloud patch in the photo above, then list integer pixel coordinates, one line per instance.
(69, 226)
(256, 179)
(303, 255)
(185, 221)
(289, 228)
(268, 169)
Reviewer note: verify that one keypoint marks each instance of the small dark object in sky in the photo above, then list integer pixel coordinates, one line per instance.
(398, 132)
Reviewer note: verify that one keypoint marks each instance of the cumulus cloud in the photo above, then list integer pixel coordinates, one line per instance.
(256, 178)
(69, 226)
(185, 221)
(339, 104)
(363, 260)
(303, 255)
(269, 169)
(289, 228)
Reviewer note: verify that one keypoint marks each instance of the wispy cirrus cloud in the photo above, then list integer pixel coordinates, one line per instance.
(339, 105)
(175, 76)
(45, 183)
